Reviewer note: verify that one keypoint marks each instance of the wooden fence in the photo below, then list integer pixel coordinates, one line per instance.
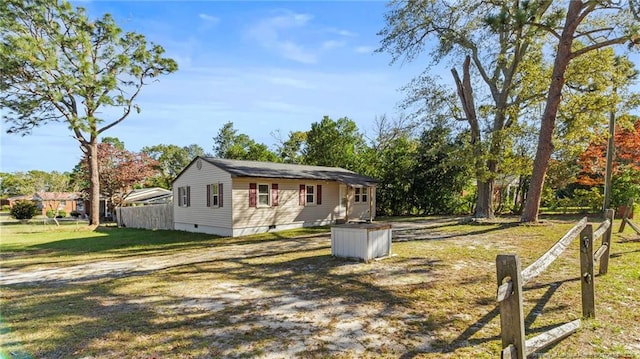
(157, 216)
(626, 220)
(511, 280)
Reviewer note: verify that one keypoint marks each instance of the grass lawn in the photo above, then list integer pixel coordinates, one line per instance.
(127, 293)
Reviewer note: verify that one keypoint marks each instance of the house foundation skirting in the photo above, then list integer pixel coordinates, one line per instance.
(237, 232)
(201, 228)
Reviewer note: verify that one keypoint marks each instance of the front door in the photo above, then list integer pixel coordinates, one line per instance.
(342, 207)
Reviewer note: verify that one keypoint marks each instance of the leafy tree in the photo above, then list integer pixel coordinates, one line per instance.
(442, 172)
(626, 166)
(120, 171)
(25, 183)
(588, 26)
(493, 40)
(57, 65)
(291, 150)
(335, 143)
(394, 153)
(171, 160)
(229, 144)
(23, 210)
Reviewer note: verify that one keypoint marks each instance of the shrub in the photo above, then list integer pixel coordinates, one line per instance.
(61, 214)
(50, 213)
(75, 214)
(23, 210)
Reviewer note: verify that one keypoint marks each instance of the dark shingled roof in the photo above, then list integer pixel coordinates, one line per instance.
(239, 168)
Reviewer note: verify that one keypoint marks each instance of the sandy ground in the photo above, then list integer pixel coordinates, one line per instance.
(304, 323)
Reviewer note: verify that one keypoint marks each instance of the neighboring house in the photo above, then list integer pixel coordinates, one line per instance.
(145, 196)
(234, 198)
(15, 199)
(59, 201)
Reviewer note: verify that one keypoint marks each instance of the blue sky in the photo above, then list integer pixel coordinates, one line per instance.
(266, 66)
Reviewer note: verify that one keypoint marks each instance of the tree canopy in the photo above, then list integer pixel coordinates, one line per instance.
(58, 65)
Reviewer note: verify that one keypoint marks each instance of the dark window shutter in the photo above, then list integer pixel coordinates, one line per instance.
(188, 196)
(253, 200)
(179, 196)
(274, 194)
(302, 195)
(208, 195)
(319, 194)
(220, 192)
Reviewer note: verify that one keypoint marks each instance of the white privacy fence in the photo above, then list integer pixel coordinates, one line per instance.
(157, 216)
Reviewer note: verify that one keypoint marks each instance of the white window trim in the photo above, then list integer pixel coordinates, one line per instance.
(357, 193)
(314, 194)
(261, 205)
(364, 195)
(216, 195)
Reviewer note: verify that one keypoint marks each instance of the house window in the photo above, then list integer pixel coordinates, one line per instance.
(183, 196)
(311, 195)
(361, 194)
(214, 197)
(263, 195)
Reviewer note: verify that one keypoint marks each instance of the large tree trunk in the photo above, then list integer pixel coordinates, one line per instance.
(94, 182)
(484, 203)
(548, 124)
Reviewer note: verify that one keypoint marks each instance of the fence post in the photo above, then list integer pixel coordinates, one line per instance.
(606, 241)
(627, 213)
(511, 311)
(586, 272)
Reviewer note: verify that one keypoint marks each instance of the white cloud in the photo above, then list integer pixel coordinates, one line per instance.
(341, 32)
(292, 51)
(209, 18)
(273, 33)
(332, 44)
(291, 82)
(365, 49)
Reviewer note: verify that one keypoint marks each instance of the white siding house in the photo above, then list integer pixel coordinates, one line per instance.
(234, 198)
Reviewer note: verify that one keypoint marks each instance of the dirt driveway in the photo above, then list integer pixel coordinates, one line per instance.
(297, 316)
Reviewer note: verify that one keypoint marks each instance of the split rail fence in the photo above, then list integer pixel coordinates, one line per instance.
(626, 220)
(511, 280)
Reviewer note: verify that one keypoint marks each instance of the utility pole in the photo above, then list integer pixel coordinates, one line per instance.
(610, 153)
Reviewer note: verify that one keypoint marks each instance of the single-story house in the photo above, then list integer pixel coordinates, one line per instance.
(59, 201)
(234, 198)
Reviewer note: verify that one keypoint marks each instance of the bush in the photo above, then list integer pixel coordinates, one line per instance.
(23, 210)
(75, 214)
(61, 214)
(50, 213)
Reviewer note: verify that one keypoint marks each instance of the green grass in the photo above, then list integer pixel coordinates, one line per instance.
(441, 290)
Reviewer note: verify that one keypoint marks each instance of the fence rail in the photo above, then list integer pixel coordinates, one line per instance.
(626, 220)
(511, 280)
(157, 216)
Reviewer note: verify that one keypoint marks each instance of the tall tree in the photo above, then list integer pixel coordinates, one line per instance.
(58, 65)
(491, 40)
(442, 171)
(335, 143)
(291, 150)
(28, 183)
(120, 171)
(233, 145)
(171, 160)
(588, 26)
(394, 156)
